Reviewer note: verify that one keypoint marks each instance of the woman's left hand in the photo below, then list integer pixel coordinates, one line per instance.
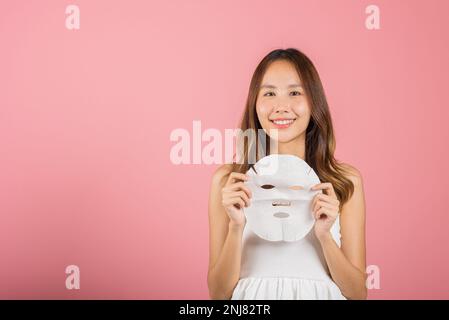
(325, 209)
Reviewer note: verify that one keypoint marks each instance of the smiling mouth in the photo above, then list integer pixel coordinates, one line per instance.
(282, 123)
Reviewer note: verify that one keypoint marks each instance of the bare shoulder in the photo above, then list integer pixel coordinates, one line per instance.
(355, 203)
(220, 174)
(353, 174)
(353, 220)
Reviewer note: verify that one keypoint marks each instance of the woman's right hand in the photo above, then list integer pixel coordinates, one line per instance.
(235, 196)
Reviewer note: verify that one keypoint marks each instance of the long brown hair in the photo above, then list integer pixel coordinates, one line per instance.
(320, 139)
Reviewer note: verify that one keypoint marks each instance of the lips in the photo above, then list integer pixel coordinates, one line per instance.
(282, 122)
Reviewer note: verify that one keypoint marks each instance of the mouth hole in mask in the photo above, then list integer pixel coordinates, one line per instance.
(296, 188)
(281, 215)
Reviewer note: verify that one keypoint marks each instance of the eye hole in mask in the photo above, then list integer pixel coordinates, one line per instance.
(267, 186)
(296, 188)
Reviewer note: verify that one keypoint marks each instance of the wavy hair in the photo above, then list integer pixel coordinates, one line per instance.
(320, 139)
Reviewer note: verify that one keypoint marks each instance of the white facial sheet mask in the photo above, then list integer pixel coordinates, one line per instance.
(281, 203)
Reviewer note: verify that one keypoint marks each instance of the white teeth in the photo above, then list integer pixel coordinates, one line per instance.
(281, 122)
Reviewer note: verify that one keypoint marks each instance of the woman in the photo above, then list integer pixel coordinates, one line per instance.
(286, 94)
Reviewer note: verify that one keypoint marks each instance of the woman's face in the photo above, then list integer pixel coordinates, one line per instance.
(281, 102)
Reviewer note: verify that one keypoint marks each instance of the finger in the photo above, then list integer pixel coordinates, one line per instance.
(331, 213)
(243, 195)
(321, 204)
(326, 198)
(229, 202)
(232, 193)
(237, 186)
(238, 202)
(236, 176)
(315, 199)
(318, 197)
(321, 211)
(325, 186)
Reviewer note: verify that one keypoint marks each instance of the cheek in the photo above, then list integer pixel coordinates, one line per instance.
(263, 111)
(301, 109)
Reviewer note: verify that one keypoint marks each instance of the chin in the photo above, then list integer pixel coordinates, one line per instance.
(285, 137)
(286, 140)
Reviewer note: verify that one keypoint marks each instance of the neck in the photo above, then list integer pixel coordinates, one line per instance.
(296, 147)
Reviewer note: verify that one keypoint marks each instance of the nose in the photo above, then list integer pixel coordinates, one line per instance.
(282, 105)
(282, 110)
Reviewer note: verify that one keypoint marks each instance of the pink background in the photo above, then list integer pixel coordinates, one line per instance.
(86, 116)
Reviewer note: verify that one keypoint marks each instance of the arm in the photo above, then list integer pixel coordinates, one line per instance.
(224, 274)
(347, 264)
(225, 240)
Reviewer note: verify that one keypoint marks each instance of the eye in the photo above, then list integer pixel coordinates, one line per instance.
(295, 93)
(296, 188)
(267, 186)
(267, 93)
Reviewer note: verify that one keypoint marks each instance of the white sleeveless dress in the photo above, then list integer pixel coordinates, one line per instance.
(280, 270)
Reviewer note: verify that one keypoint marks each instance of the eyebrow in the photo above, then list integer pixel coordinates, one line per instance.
(294, 85)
